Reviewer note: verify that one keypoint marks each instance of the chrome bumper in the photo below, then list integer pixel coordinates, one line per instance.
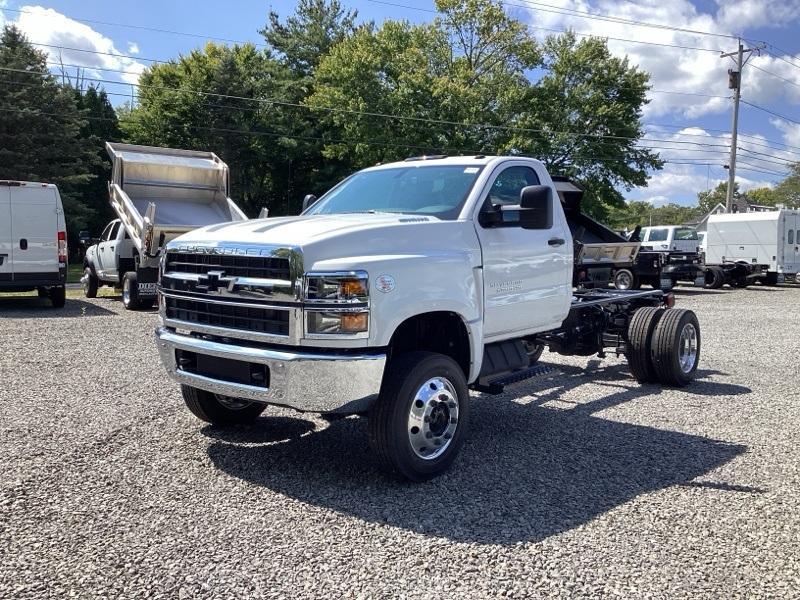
(322, 383)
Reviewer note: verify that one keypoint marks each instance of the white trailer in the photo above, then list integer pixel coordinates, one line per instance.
(158, 194)
(765, 239)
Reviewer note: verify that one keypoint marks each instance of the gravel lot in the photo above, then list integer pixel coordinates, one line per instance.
(584, 484)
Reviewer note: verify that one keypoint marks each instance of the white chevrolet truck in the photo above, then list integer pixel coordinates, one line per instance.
(393, 295)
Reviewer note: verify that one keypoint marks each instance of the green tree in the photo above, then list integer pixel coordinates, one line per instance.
(787, 192)
(583, 120)
(707, 200)
(307, 35)
(40, 127)
(231, 116)
(101, 126)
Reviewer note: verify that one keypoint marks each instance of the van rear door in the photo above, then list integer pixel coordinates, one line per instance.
(34, 230)
(6, 246)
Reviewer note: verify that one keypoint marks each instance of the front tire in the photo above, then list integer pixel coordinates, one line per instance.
(90, 283)
(419, 422)
(220, 410)
(675, 350)
(715, 278)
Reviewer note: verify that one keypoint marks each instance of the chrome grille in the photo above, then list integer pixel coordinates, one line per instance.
(228, 316)
(260, 267)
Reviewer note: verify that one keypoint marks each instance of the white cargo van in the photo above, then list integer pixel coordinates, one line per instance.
(33, 240)
(768, 239)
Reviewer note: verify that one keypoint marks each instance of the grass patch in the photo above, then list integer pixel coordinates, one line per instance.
(74, 273)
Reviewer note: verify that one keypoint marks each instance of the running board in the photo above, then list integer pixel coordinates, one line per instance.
(496, 385)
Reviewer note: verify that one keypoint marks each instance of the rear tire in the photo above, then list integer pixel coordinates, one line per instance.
(625, 279)
(90, 283)
(640, 336)
(715, 278)
(130, 291)
(220, 410)
(58, 296)
(675, 350)
(419, 422)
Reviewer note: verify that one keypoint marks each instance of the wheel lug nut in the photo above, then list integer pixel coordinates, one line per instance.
(443, 397)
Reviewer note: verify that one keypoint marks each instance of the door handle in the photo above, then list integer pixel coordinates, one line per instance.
(112, 247)
(556, 241)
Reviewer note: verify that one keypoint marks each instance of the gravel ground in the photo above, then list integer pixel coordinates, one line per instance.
(584, 484)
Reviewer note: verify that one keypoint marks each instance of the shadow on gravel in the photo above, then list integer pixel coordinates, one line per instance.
(526, 473)
(20, 307)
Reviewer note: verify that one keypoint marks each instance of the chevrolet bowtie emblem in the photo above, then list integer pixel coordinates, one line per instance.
(210, 281)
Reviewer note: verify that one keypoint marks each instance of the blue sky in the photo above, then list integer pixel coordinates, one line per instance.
(674, 118)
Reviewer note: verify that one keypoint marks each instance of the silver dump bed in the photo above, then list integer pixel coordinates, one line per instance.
(161, 193)
(597, 244)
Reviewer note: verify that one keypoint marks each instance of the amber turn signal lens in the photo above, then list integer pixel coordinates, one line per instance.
(352, 287)
(354, 323)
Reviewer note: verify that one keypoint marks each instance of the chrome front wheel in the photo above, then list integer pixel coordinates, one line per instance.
(433, 418)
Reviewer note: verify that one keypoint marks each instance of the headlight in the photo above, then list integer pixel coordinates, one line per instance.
(337, 287)
(337, 322)
(336, 303)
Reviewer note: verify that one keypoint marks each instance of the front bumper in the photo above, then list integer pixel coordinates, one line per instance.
(310, 382)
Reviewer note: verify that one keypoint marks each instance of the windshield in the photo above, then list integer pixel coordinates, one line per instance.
(685, 233)
(426, 190)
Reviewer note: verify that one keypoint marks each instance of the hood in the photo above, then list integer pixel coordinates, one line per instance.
(323, 238)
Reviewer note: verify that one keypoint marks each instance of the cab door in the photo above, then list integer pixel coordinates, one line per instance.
(106, 255)
(791, 257)
(6, 245)
(527, 273)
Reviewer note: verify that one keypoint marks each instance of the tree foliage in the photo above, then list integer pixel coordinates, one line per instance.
(42, 127)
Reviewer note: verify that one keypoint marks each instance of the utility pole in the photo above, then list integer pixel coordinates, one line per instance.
(735, 83)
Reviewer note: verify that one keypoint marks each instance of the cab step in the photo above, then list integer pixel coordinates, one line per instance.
(496, 385)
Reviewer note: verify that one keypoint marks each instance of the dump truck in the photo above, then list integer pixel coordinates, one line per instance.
(157, 194)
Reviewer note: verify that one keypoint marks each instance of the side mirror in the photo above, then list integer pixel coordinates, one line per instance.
(308, 201)
(536, 207)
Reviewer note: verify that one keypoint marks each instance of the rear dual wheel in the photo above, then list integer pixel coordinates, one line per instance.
(664, 346)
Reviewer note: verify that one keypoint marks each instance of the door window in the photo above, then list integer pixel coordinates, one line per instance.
(790, 237)
(112, 233)
(506, 189)
(658, 235)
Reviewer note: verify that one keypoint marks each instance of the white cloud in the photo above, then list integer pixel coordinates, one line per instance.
(790, 131)
(69, 42)
(685, 70)
(133, 48)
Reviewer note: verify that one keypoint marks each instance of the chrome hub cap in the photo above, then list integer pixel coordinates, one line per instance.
(687, 353)
(433, 418)
(624, 280)
(232, 403)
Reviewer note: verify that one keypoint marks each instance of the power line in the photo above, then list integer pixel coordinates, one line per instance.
(553, 30)
(271, 101)
(131, 26)
(772, 112)
(789, 81)
(583, 14)
(726, 131)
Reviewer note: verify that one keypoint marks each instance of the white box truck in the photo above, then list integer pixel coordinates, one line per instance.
(767, 240)
(33, 240)
(158, 194)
